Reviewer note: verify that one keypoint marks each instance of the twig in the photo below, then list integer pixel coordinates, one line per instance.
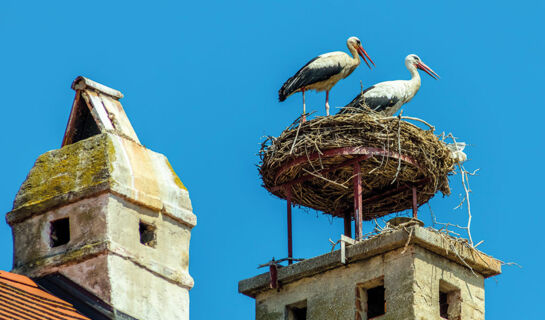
(466, 189)
(453, 248)
(465, 183)
(295, 140)
(333, 244)
(324, 178)
(410, 118)
(510, 264)
(478, 244)
(408, 240)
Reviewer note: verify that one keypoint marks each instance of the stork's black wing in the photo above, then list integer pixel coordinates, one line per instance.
(357, 104)
(310, 73)
(381, 103)
(376, 103)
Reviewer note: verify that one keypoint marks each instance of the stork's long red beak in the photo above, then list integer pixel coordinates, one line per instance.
(364, 54)
(428, 70)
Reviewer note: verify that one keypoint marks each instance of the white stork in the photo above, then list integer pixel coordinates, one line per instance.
(388, 97)
(324, 71)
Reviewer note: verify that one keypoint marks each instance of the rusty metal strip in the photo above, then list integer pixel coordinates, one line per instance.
(389, 192)
(323, 171)
(290, 243)
(67, 139)
(415, 204)
(345, 151)
(357, 200)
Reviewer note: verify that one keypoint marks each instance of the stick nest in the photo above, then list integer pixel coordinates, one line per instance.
(387, 181)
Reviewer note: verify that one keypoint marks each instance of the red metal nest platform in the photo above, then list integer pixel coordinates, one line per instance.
(399, 192)
(356, 167)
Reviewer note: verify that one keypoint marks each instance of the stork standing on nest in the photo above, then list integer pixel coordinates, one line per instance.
(388, 97)
(324, 71)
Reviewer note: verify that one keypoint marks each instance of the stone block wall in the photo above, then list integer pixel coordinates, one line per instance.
(418, 275)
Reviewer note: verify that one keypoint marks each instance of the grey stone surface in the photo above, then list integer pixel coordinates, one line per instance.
(423, 237)
(414, 264)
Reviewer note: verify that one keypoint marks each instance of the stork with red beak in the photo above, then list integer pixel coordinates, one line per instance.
(324, 71)
(388, 97)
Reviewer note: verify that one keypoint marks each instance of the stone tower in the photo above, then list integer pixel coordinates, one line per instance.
(360, 166)
(408, 273)
(107, 213)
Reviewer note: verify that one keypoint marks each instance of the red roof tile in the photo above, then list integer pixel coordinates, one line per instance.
(21, 298)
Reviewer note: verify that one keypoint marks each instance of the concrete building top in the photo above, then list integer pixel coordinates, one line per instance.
(430, 239)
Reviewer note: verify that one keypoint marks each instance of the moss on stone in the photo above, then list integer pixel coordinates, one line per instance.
(76, 166)
(177, 180)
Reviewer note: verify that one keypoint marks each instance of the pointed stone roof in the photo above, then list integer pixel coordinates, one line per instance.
(101, 152)
(96, 109)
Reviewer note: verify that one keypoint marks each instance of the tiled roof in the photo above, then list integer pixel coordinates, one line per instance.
(21, 298)
(84, 301)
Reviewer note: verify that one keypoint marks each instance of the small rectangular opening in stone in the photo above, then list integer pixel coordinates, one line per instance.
(443, 305)
(370, 299)
(297, 311)
(376, 304)
(148, 236)
(450, 302)
(59, 232)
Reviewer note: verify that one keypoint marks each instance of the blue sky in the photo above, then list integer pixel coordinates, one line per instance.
(200, 81)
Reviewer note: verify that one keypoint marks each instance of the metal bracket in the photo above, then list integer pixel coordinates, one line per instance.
(344, 242)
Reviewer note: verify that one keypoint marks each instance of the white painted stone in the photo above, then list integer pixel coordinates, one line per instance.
(143, 295)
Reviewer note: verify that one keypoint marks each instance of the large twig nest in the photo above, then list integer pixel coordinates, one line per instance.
(314, 161)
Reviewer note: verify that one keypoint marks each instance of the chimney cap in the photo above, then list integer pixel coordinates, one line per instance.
(82, 83)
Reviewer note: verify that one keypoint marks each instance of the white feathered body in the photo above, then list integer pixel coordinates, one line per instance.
(388, 97)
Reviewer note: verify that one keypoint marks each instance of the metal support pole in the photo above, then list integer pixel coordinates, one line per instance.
(273, 274)
(415, 204)
(290, 244)
(357, 199)
(304, 117)
(348, 224)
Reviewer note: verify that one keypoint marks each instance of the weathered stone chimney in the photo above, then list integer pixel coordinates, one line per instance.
(107, 213)
(409, 273)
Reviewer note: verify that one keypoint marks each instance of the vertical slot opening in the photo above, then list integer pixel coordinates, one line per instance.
(148, 236)
(370, 299)
(297, 311)
(376, 303)
(59, 232)
(450, 302)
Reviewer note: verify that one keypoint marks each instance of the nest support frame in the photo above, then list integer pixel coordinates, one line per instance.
(354, 166)
(359, 154)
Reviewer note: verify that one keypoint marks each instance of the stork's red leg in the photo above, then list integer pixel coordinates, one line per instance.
(304, 118)
(327, 102)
